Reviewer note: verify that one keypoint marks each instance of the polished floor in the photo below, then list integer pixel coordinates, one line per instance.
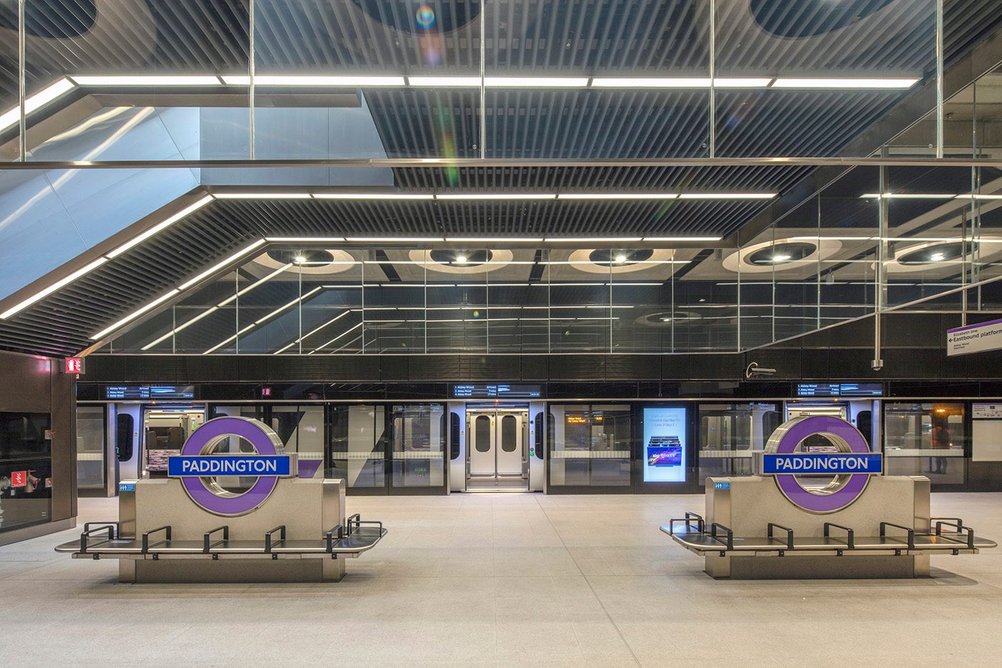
(508, 579)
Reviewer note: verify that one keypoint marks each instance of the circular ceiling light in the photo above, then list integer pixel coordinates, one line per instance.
(621, 260)
(668, 318)
(940, 252)
(461, 261)
(939, 255)
(783, 253)
(780, 255)
(309, 260)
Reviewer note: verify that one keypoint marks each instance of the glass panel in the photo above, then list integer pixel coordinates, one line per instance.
(926, 439)
(482, 433)
(418, 453)
(25, 469)
(358, 445)
(509, 433)
(730, 434)
(591, 445)
(91, 446)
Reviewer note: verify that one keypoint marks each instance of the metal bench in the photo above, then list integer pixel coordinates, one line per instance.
(949, 535)
(104, 540)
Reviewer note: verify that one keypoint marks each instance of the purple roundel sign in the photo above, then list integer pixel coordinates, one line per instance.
(846, 489)
(206, 493)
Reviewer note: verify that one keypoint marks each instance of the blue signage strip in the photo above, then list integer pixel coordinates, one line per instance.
(279, 466)
(799, 463)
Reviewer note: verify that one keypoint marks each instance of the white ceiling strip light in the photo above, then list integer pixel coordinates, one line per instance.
(35, 102)
(135, 314)
(257, 322)
(219, 265)
(843, 83)
(333, 81)
(147, 80)
(159, 227)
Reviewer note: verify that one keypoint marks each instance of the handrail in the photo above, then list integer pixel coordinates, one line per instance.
(700, 522)
(206, 545)
(338, 532)
(788, 530)
(729, 535)
(957, 523)
(356, 519)
(146, 537)
(112, 528)
(911, 532)
(267, 537)
(687, 521)
(851, 540)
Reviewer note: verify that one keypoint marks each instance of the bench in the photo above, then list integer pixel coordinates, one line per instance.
(949, 535)
(104, 540)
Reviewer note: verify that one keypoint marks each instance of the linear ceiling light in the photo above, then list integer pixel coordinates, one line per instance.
(680, 239)
(445, 82)
(616, 195)
(726, 195)
(52, 288)
(911, 196)
(261, 195)
(588, 240)
(135, 314)
(147, 80)
(180, 328)
(835, 82)
(339, 81)
(375, 196)
(742, 82)
(161, 226)
(220, 265)
(536, 82)
(979, 196)
(650, 82)
(495, 196)
(35, 102)
(393, 240)
(308, 240)
(494, 240)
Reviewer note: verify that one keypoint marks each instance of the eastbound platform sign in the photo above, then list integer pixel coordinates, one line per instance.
(827, 464)
(233, 465)
(974, 338)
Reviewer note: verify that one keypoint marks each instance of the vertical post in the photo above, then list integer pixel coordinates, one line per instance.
(369, 255)
(880, 289)
(671, 313)
(236, 311)
(939, 78)
(818, 274)
(483, 79)
(713, 76)
(300, 282)
(738, 300)
(22, 143)
(250, 73)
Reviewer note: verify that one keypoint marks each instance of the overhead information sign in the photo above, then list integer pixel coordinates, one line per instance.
(840, 389)
(496, 391)
(126, 392)
(822, 464)
(974, 338)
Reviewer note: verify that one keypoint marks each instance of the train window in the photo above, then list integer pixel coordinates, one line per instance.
(538, 435)
(123, 437)
(864, 423)
(453, 436)
(482, 433)
(509, 433)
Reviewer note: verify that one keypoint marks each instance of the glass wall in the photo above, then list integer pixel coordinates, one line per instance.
(91, 448)
(418, 452)
(926, 439)
(590, 445)
(25, 469)
(358, 445)
(730, 434)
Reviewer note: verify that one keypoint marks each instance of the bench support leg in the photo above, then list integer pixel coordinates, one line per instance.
(717, 567)
(127, 571)
(333, 570)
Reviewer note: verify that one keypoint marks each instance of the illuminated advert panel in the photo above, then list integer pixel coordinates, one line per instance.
(664, 445)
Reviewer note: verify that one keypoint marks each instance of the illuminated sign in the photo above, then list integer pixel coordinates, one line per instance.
(196, 465)
(73, 365)
(665, 444)
(132, 392)
(850, 460)
(496, 391)
(840, 389)
(18, 478)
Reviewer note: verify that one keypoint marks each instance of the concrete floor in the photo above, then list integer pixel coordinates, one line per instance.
(507, 579)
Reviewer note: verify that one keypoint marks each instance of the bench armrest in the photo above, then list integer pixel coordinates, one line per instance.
(850, 534)
(910, 532)
(728, 538)
(267, 536)
(91, 528)
(206, 545)
(146, 537)
(788, 530)
(335, 533)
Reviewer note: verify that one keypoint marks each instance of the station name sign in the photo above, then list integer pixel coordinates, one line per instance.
(834, 464)
(974, 338)
(188, 466)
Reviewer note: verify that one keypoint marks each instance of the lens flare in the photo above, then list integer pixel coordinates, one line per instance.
(425, 17)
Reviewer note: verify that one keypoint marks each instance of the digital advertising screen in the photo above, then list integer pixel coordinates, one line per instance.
(664, 444)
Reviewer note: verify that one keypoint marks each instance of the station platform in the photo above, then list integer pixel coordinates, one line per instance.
(507, 579)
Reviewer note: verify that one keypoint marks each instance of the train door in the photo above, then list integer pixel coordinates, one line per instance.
(497, 447)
